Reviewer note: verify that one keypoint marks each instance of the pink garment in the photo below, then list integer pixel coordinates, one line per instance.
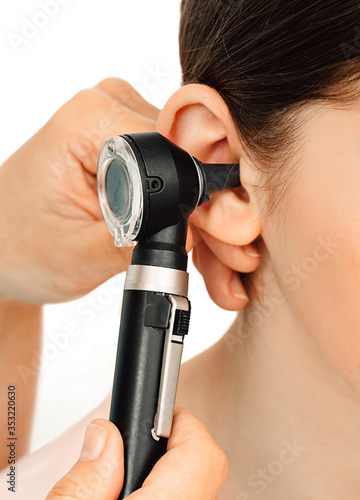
(38, 472)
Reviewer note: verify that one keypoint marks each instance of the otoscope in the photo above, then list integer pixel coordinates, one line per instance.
(148, 187)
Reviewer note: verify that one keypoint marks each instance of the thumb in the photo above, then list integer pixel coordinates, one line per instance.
(99, 472)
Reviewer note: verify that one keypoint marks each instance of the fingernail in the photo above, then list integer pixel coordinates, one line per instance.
(94, 442)
(250, 250)
(238, 288)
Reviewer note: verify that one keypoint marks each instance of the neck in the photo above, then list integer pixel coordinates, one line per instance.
(291, 422)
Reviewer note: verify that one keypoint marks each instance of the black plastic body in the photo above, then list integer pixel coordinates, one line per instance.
(174, 172)
(139, 357)
(171, 181)
(136, 388)
(164, 249)
(220, 176)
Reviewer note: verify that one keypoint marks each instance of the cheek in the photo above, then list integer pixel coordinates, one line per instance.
(315, 255)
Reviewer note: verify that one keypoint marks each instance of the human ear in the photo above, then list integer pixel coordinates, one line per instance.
(197, 119)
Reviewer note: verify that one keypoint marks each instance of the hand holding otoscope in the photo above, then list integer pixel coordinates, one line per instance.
(148, 187)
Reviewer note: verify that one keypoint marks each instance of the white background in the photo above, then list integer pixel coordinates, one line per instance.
(45, 60)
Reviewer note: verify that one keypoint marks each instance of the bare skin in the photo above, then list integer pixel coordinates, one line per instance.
(252, 398)
(18, 337)
(280, 392)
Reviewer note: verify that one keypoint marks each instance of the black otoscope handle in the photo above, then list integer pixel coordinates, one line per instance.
(136, 389)
(154, 320)
(144, 319)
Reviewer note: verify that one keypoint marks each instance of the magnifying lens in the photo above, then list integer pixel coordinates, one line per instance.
(148, 187)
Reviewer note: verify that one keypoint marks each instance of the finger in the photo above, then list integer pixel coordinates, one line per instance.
(193, 467)
(116, 120)
(234, 256)
(115, 259)
(99, 472)
(96, 252)
(84, 123)
(123, 92)
(222, 283)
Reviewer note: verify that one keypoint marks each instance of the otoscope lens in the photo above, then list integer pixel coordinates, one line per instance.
(120, 190)
(117, 187)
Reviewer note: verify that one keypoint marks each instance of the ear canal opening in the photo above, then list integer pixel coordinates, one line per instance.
(241, 193)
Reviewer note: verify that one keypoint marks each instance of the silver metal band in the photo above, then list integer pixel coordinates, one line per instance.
(201, 180)
(157, 279)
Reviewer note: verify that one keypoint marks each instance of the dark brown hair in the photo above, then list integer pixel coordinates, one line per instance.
(269, 59)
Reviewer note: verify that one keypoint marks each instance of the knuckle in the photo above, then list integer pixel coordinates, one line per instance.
(73, 112)
(61, 490)
(78, 484)
(87, 99)
(222, 464)
(123, 92)
(121, 85)
(82, 96)
(217, 462)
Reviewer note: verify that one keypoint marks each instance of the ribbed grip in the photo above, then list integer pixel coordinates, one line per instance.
(182, 322)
